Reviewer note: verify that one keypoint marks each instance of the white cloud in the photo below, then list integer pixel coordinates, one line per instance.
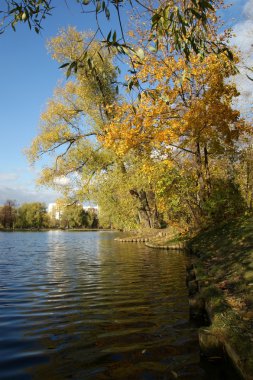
(243, 40)
(8, 177)
(243, 36)
(19, 186)
(22, 194)
(62, 181)
(248, 10)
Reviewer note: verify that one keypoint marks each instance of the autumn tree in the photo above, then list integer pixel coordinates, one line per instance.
(144, 158)
(91, 218)
(187, 117)
(32, 215)
(8, 214)
(76, 115)
(124, 197)
(73, 216)
(73, 126)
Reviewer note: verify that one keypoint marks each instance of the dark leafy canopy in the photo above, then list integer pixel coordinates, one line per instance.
(185, 22)
(31, 11)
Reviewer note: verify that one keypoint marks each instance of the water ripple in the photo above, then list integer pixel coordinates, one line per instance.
(82, 306)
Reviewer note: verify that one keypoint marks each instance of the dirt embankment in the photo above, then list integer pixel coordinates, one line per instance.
(221, 282)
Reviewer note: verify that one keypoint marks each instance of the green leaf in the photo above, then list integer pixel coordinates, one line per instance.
(155, 18)
(72, 66)
(206, 5)
(13, 10)
(230, 55)
(107, 13)
(249, 77)
(90, 63)
(68, 72)
(198, 15)
(98, 7)
(109, 36)
(152, 49)
(13, 25)
(184, 30)
(101, 57)
(130, 84)
(166, 12)
(140, 53)
(64, 65)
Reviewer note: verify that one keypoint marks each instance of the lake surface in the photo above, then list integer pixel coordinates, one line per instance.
(79, 305)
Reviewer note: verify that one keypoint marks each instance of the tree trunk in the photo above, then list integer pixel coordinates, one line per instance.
(200, 177)
(148, 214)
(150, 195)
(207, 171)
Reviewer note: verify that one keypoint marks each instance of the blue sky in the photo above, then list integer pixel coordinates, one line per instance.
(28, 77)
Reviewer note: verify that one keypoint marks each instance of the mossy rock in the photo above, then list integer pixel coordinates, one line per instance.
(248, 275)
(210, 344)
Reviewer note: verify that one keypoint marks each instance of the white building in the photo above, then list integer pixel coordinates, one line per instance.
(55, 210)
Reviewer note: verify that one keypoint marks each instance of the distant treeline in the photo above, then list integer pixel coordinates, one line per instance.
(35, 216)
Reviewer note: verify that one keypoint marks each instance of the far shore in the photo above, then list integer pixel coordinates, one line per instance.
(56, 229)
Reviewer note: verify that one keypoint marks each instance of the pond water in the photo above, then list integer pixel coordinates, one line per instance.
(79, 305)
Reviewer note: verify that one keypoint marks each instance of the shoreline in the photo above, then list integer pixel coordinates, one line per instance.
(226, 334)
(56, 229)
(220, 283)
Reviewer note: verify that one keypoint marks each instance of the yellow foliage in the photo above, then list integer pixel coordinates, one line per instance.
(190, 102)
